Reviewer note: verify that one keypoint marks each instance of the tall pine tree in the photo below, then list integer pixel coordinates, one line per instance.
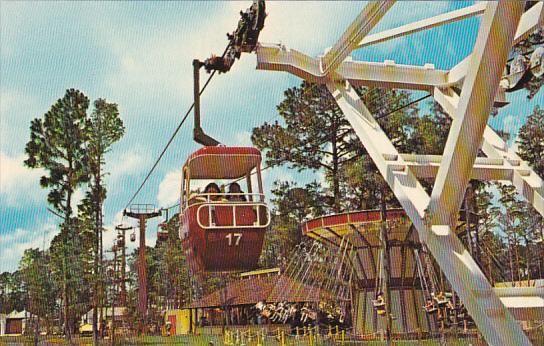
(58, 145)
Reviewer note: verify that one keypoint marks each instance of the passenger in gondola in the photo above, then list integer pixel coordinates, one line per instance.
(213, 192)
(212, 195)
(236, 193)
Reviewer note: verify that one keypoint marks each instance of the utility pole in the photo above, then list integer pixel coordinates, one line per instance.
(114, 281)
(121, 237)
(142, 212)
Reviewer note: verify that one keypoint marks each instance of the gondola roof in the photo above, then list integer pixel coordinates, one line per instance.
(222, 162)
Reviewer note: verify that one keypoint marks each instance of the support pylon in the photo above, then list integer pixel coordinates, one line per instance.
(142, 212)
(121, 236)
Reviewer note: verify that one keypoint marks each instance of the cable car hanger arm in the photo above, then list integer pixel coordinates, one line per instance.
(242, 40)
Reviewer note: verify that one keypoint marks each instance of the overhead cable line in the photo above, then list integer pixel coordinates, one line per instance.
(402, 107)
(377, 118)
(171, 138)
(271, 166)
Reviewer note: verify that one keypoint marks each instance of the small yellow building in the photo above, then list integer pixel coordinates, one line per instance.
(179, 321)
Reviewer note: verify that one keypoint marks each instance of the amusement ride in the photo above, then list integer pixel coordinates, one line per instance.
(395, 270)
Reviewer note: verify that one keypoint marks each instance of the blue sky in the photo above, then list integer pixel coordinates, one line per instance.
(138, 54)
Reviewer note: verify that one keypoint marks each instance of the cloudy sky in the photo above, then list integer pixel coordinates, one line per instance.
(138, 54)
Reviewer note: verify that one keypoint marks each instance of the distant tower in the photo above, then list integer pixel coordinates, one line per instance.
(142, 212)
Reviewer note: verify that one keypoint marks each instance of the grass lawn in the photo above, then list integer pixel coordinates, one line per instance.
(218, 340)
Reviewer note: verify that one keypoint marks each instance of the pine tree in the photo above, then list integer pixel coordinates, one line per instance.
(531, 141)
(105, 128)
(58, 145)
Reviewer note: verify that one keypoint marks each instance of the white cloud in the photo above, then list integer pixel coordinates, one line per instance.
(19, 185)
(169, 188)
(159, 66)
(308, 26)
(126, 163)
(14, 244)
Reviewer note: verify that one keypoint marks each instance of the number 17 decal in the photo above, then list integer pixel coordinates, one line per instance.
(234, 238)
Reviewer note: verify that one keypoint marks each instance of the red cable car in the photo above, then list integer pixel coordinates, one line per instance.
(223, 231)
(162, 231)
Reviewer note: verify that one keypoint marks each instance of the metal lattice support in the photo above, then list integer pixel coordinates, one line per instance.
(503, 24)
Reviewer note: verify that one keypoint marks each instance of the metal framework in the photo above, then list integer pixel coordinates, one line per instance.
(502, 25)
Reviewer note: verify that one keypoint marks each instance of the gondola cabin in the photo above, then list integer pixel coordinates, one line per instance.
(162, 231)
(223, 229)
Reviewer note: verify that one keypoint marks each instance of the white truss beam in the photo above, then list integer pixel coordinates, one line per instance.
(384, 75)
(391, 75)
(404, 184)
(424, 24)
(495, 37)
(356, 31)
(531, 185)
(525, 303)
(528, 23)
(485, 169)
(461, 270)
(359, 73)
(528, 184)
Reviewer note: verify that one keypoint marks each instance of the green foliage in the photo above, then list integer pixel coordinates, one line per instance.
(170, 281)
(531, 141)
(57, 144)
(430, 132)
(12, 295)
(105, 128)
(70, 145)
(40, 289)
(315, 136)
(292, 206)
(363, 185)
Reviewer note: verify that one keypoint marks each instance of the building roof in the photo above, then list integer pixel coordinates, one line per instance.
(251, 290)
(18, 314)
(119, 311)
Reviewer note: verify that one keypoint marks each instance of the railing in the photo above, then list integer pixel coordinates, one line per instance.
(223, 197)
(142, 208)
(214, 206)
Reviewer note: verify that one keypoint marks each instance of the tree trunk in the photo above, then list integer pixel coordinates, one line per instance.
(66, 300)
(98, 252)
(516, 253)
(510, 259)
(335, 178)
(96, 281)
(101, 280)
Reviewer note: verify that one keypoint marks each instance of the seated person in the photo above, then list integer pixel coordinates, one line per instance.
(235, 193)
(213, 190)
(380, 301)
